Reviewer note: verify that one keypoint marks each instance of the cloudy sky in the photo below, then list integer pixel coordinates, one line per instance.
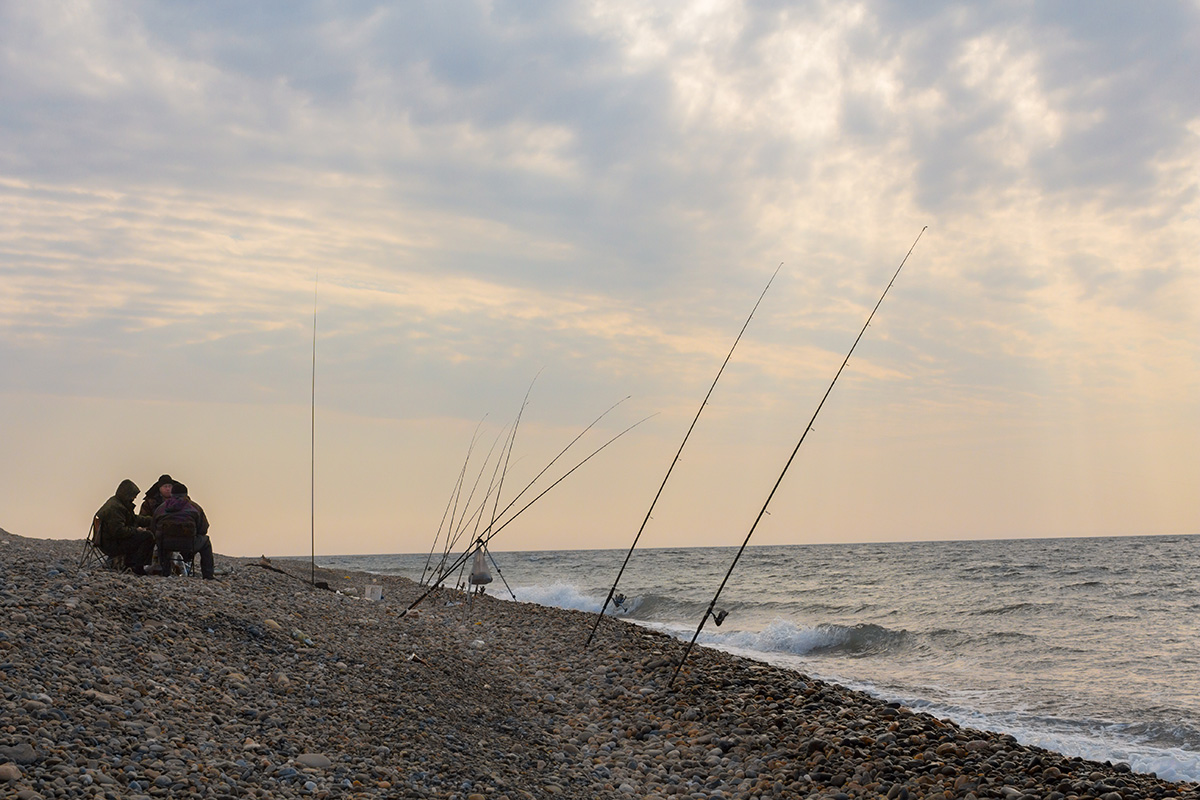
(472, 194)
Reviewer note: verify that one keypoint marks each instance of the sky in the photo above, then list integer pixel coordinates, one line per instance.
(582, 201)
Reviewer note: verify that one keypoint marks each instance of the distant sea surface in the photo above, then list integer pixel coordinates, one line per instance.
(1089, 647)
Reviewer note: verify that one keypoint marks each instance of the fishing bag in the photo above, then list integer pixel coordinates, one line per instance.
(479, 570)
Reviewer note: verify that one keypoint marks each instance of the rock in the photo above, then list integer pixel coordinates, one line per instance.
(314, 760)
(20, 754)
(9, 773)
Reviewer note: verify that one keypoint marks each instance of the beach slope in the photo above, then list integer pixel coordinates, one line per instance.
(258, 684)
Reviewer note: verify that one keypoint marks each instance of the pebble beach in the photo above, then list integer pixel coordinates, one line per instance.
(260, 684)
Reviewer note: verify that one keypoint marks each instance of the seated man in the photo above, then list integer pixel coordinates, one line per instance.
(155, 495)
(177, 515)
(121, 531)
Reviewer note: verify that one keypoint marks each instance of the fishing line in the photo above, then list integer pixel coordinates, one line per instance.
(675, 461)
(791, 458)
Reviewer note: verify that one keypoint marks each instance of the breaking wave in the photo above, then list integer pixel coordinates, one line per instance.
(822, 640)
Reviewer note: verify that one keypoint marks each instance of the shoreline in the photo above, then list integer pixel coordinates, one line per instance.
(259, 685)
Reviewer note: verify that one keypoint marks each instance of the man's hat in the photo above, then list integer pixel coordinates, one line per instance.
(161, 480)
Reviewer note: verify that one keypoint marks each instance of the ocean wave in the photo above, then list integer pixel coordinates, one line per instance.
(856, 641)
(1011, 608)
(556, 595)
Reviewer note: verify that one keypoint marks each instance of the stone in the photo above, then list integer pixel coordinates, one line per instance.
(22, 753)
(314, 760)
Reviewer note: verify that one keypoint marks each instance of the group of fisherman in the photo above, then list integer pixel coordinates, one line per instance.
(166, 510)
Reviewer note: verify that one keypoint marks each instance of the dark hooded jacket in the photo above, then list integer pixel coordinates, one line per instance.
(182, 508)
(117, 520)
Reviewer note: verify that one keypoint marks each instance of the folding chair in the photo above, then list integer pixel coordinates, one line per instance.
(93, 556)
(176, 537)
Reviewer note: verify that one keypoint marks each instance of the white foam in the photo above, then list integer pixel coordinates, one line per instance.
(786, 644)
(778, 637)
(556, 595)
(1171, 764)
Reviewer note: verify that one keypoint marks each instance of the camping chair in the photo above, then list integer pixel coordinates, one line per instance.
(93, 556)
(176, 537)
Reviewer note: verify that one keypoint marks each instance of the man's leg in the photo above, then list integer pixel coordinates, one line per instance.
(204, 548)
(143, 552)
(131, 549)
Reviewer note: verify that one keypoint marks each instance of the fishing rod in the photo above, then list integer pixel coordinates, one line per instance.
(483, 540)
(520, 494)
(312, 446)
(493, 485)
(454, 494)
(513, 518)
(498, 486)
(451, 528)
(476, 516)
(462, 476)
(464, 521)
(554, 460)
(449, 502)
(791, 458)
(675, 461)
(508, 455)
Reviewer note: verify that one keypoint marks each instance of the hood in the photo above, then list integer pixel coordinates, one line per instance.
(153, 490)
(175, 502)
(127, 492)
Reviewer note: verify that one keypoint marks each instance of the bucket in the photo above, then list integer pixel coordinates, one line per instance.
(374, 592)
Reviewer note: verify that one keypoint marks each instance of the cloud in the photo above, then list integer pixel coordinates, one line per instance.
(601, 189)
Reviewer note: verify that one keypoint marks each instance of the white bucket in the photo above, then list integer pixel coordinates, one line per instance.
(374, 592)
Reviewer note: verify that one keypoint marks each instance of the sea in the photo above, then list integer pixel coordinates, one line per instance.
(1089, 647)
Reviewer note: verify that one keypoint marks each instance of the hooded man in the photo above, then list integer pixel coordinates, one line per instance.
(122, 531)
(179, 513)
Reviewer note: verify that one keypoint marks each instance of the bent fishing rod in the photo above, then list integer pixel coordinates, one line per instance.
(678, 453)
(491, 534)
(791, 458)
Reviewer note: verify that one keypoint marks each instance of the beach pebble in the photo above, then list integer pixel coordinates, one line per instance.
(22, 753)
